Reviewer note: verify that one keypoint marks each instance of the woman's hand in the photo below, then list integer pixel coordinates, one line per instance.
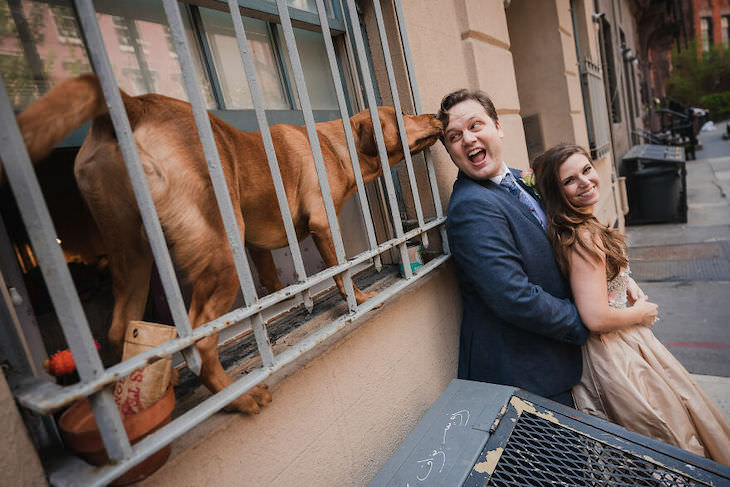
(647, 312)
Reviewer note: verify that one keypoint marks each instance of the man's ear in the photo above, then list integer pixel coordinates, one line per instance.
(500, 132)
(362, 127)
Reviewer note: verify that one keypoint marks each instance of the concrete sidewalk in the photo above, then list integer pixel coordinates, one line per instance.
(685, 269)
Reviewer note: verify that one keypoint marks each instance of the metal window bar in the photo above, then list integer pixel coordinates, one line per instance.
(324, 187)
(398, 115)
(102, 66)
(220, 187)
(46, 397)
(378, 132)
(417, 105)
(257, 98)
(593, 81)
(61, 288)
(362, 197)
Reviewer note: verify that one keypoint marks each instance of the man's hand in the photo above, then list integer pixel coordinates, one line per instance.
(634, 293)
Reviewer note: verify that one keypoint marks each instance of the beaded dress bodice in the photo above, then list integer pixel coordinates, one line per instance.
(617, 289)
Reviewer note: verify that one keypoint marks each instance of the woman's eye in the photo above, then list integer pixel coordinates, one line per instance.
(567, 181)
(476, 125)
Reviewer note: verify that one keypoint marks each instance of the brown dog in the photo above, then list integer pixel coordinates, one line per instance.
(172, 157)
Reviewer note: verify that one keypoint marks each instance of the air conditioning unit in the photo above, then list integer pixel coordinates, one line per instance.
(479, 434)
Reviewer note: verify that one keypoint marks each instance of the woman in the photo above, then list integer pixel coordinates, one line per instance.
(629, 377)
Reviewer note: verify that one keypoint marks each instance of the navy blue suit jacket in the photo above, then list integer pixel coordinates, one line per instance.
(519, 326)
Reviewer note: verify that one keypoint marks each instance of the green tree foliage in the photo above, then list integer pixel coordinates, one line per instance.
(701, 80)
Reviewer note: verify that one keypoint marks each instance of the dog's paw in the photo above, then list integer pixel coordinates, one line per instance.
(261, 394)
(361, 297)
(251, 402)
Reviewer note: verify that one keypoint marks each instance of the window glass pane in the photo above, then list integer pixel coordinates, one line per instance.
(315, 65)
(706, 31)
(221, 37)
(310, 5)
(137, 38)
(41, 45)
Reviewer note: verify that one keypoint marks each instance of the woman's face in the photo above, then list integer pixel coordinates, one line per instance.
(579, 182)
(474, 140)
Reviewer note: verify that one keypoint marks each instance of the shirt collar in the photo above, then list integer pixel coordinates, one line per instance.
(502, 173)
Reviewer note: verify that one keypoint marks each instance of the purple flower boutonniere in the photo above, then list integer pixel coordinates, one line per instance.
(528, 178)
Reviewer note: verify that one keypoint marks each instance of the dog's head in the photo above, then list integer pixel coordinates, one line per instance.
(422, 131)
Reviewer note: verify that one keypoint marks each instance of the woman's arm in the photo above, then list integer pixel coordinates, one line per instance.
(588, 282)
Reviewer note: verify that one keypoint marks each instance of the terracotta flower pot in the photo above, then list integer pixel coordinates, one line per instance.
(81, 434)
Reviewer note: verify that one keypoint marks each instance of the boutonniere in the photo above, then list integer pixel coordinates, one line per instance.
(528, 179)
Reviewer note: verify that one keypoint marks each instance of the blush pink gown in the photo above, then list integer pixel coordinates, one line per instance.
(631, 379)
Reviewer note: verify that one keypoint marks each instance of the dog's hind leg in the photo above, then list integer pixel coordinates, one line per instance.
(264, 262)
(215, 285)
(101, 178)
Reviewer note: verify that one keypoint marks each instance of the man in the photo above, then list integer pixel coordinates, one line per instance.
(519, 325)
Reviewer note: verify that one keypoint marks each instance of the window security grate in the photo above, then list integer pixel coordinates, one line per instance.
(540, 452)
(44, 397)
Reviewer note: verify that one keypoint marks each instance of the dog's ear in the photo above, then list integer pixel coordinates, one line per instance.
(362, 128)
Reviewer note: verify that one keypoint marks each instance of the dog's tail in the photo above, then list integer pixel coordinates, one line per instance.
(53, 116)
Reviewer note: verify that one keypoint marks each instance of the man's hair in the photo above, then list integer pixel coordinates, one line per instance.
(457, 97)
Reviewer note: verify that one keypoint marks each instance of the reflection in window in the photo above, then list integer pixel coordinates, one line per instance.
(725, 26)
(68, 29)
(706, 30)
(221, 37)
(317, 74)
(136, 37)
(310, 5)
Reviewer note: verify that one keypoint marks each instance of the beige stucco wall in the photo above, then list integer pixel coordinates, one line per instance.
(547, 69)
(19, 463)
(337, 420)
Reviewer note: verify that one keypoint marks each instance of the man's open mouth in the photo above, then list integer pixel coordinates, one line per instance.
(477, 155)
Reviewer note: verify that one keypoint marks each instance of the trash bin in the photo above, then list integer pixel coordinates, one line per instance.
(656, 184)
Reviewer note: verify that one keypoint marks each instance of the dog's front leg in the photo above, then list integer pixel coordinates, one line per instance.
(323, 239)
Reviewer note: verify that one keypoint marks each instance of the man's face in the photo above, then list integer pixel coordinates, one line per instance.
(474, 140)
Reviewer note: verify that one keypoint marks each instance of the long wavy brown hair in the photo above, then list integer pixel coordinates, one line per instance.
(567, 225)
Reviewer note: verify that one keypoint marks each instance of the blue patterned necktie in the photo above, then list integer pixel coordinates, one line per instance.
(508, 181)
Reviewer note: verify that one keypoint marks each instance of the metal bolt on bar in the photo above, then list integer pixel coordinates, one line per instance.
(253, 85)
(103, 69)
(378, 131)
(399, 116)
(417, 104)
(329, 207)
(37, 220)
(220, 187)
(365, 209)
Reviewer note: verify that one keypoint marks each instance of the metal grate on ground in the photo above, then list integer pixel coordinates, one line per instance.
(537, 442)
(681, 270)
(543, 453)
